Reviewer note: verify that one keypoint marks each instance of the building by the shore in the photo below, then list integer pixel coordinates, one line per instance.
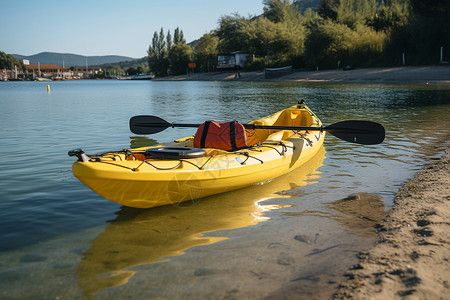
(85, 72)
(49, 72)
(34, 72)
(236, 59)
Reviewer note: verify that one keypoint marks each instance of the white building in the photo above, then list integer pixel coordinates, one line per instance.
(234, 60)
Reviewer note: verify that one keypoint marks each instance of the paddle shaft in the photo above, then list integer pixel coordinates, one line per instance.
(354, 131)
(254, 126)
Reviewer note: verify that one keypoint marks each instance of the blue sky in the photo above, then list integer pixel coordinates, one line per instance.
(112, 27)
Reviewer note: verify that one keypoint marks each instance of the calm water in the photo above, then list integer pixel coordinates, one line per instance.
(54, 229)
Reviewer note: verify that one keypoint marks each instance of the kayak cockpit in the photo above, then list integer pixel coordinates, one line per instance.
(288, 117)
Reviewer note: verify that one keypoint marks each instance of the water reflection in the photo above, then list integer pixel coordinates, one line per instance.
(138, 237)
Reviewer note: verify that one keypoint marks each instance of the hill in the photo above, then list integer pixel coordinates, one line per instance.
(303, 5)
(70, 60)
(136, 62)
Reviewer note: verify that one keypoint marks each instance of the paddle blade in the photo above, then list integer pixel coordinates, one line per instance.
(148, 124)
(359, 132)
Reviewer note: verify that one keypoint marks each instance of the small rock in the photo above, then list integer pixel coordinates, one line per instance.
(422, 223)
(357, 267)
(423, 232)
(303, 238)
(406, 293)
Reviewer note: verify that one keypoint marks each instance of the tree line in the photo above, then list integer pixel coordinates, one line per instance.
(360, 33)
(7, 61)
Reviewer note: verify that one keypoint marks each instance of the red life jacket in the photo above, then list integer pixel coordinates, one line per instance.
(229, 136)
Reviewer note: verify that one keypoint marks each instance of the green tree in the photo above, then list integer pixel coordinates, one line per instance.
(327, 9)
(310, 17)
(277, 37)
(169, 42)
(157, 55)
(390, 16)
(429, 30)
(277, 42)
(136, 70)
(431, 8)
(114, 70)
(168, 56)
(178, 36)
(353, 12)
(303, 5)
(132, 71)
(205, 52)
(232, 34)
(179, 56)
(280, 10)
(330, 42)
(7, 61)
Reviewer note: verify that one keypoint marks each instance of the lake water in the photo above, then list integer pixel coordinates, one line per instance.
(293, 235)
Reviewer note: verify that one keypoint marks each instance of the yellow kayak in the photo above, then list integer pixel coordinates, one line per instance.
(150, 176)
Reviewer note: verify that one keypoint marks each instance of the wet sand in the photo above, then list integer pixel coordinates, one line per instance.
(411, 258)
(424, 74)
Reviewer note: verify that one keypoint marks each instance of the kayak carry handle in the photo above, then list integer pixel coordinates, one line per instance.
(83, 157)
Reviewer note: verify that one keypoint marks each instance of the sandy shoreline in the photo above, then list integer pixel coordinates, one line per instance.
(411, 258)
(424, 75)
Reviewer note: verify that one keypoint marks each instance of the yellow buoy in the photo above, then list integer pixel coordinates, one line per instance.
(48, 88)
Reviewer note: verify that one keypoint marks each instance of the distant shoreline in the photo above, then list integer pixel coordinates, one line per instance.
(394, 75)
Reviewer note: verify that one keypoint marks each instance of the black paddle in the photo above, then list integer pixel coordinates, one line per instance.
(360, 132)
